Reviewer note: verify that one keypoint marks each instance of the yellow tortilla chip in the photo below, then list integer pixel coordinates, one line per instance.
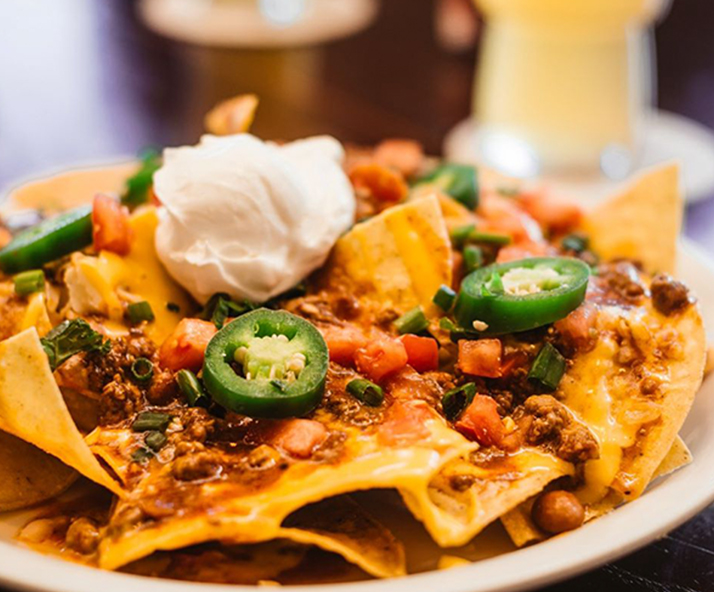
(453, 514)
(56, 193)
(641, 223)
(398, 258)
(678, 456)
(32, 408)
(340, 525)
(29, 476)
(232, 116)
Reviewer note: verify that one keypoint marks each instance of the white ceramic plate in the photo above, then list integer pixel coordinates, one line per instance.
(667, 504)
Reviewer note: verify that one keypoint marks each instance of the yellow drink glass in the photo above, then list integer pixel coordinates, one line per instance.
(565, 82)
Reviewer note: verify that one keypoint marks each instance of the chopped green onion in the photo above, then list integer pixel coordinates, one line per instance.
(150, 421)
(456, 400)
(29, 282)
(489, 237)
(155, 440)
(460, 181)
(141, 455)
(575, 242)
(460, 234)
(548, 368)
(71, 337)
(136, 190)
(473, 258)
(220, 307)
(444, 298)
(191, 388)
(142, 369)
(140, 311)
(366, 391)
(413, 321)
(457, 333)
(173, 307)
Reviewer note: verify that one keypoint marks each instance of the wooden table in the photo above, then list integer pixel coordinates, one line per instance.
(81, 80)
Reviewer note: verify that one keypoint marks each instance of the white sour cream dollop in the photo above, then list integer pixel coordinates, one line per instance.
(248, 217)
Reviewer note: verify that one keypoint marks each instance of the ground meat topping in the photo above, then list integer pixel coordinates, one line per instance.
(194, 466)
(623, 279)
(668, 295)
(546, 421)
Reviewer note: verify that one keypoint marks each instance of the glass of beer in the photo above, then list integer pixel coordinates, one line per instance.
(565, 85)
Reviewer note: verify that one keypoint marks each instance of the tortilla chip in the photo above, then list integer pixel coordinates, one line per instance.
(676, 398)
(398, 258)
(454, 517)
(642, 223)
(29, 476)
(32, 407)
(340, 525)
(232, 116)
(56, 193)
(678, 456)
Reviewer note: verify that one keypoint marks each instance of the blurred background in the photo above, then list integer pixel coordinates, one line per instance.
(82, 81)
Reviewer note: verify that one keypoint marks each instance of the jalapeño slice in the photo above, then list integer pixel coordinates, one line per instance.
(47, 241)
(267, 363)
(521, 295)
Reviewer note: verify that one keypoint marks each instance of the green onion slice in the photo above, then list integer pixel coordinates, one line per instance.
(141, 455)
(473, 258)
(136, 191)
(456, 400)
(155, 440)
(29, 282)
(576, 242)
(142, 369)
(366, 391)
(150, 421)
(489, 237)
(548, 368)
(444, 298)
(460, 234)
(140, 311)
(413, 321)
(191, 388)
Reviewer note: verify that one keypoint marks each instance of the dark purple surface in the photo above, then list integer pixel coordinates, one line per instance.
(82, 80)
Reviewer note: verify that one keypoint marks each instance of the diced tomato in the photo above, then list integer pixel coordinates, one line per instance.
(551, 213)
(404, 423)
(383, 183)
(523, 250)
(380, 358)
(406, 156)
(481, 422)
(480, 357)
(422, 352)
(299, 437)
(343, 342)
(513, 361)
(577, 327)
(185, 347)
(110, 225)
(503, 215)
